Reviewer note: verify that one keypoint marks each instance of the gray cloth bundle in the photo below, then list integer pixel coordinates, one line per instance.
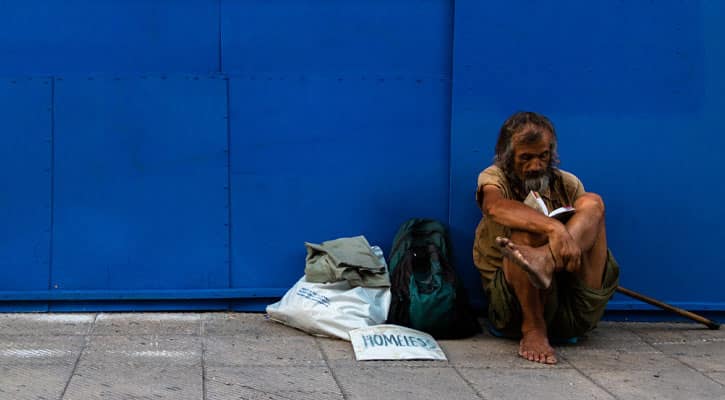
(349, 259)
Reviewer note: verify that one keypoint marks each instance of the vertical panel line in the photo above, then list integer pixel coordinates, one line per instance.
(51, 200)
(451, 56)
(219, 37)
(229, 183)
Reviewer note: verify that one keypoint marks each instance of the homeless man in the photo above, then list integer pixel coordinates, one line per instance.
(544, 279)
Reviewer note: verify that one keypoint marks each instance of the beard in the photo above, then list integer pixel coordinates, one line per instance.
(537, 183)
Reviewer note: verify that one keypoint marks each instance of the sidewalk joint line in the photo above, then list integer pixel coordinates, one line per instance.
(332, 371)
(92, 329)
(469, 384)
(590, 379)
(203, 368)
(86, 338)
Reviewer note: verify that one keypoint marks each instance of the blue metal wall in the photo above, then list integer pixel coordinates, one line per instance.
(184, 151)
(636, 91)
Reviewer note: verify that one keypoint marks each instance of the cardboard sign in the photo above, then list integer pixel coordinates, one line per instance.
(393, 342)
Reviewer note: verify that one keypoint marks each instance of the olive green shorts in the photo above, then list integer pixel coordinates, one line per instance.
(571, 309)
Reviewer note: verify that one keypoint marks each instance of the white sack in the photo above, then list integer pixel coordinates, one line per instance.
(331, 309)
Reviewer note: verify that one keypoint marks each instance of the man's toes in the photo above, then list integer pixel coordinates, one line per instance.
(549, 359)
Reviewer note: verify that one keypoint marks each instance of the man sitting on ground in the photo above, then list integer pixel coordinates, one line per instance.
(544, 278)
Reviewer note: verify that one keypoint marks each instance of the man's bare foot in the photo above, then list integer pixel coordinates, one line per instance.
(536, 261)
(534, 346)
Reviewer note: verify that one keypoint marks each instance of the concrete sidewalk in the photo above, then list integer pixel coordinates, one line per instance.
(244, 356)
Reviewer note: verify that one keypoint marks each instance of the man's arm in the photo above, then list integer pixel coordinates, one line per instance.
(514, 214)
(517, 215)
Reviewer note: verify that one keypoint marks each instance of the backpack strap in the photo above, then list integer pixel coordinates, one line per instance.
(399, 312)
(447, 272)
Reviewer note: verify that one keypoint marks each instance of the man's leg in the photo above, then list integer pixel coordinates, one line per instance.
(525, 252)
(587, 227)
(534, 344)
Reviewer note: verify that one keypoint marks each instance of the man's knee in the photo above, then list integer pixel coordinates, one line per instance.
(591, 201)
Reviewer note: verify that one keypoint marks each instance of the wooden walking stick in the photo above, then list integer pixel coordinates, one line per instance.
(698, 318)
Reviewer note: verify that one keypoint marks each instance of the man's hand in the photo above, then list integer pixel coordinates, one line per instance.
(564, 249)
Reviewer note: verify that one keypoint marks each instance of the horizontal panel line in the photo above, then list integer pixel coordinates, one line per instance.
(75, 295)
(246, 75)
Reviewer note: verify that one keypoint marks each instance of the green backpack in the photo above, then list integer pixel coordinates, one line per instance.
(426, 292)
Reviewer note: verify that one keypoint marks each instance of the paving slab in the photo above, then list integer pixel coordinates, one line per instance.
(249, 324)
(262, 351)
(39, 350)
(147, 324)
(144, 349)
(311, 382)
(665, 380)
(670, 333)
(703, 356)
(602, 360)
(26, 324)
(612, 336)
(398, 382)
(138, 381)
(610, 346)
(549, 383)
(33, 381)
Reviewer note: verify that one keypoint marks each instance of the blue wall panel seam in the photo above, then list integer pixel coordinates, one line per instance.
(51, 201)
(228, 116)
(450, 111)
(219, 37)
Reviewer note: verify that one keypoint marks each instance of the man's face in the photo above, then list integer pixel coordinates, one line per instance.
(531, 161)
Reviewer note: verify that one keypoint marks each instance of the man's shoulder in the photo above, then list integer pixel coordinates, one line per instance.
(493, 176)
(567, 176)
(492, 172)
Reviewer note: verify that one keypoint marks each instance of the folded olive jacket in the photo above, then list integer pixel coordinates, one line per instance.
(351, 259)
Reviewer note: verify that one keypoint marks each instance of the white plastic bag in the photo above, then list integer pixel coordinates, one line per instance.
(331, 309)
